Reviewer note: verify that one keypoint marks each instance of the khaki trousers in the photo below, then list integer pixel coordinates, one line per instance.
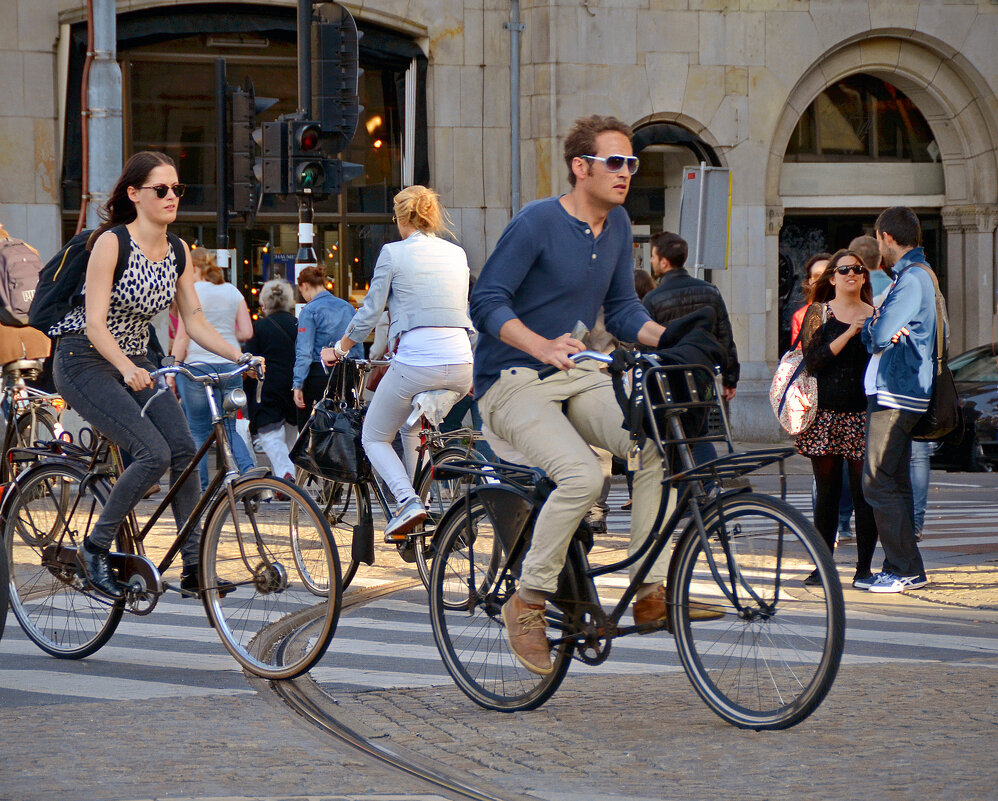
(552, 423)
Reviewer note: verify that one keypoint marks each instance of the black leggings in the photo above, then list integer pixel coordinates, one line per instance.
(828, 478)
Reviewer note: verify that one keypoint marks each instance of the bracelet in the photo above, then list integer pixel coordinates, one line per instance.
(338, 350)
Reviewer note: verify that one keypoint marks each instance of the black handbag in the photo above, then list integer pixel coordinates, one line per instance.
(329, 443)
(944, 415)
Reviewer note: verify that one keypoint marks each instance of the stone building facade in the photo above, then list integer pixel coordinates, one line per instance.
(746, 82)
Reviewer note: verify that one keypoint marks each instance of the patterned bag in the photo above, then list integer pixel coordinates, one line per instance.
(793, 394)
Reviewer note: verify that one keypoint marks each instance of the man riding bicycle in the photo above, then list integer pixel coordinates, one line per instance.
(558, 262)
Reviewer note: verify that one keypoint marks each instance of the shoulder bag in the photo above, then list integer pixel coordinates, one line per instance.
(329, 444)
(944, 415)
(793, 393)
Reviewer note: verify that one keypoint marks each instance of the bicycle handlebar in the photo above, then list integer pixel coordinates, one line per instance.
(581, 356)
(244, 365)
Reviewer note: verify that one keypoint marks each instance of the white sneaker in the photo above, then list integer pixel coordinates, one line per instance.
(409, 515)
(891, 582)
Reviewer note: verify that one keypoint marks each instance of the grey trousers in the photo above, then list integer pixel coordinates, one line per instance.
(387, 414)
(553, 423)
(887, 486)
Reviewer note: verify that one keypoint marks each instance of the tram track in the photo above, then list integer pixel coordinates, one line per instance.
(304, 696)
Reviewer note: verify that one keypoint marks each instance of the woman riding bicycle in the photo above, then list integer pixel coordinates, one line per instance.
(424, 281)
(101, 367)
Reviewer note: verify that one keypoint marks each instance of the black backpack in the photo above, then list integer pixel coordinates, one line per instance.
(60, 285)
(20, 266)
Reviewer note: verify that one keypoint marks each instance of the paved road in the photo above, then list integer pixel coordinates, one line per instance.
(916, 692)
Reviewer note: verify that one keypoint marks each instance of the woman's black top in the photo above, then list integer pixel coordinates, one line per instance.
(274, 339)
(840, 378)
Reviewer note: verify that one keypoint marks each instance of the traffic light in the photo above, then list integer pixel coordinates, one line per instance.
(335, 75)
(309, 169)
(244, 106)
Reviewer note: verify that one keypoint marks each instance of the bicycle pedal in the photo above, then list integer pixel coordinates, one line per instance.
(407, 550)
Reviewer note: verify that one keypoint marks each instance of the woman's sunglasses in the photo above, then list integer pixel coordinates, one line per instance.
(845, 269)
(616, 163)
(161, 190)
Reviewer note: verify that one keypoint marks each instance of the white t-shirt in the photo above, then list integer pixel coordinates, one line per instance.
(432, 347)
(219, 302)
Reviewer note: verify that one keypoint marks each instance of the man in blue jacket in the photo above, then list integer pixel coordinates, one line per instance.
(901, 336)
(559, 260)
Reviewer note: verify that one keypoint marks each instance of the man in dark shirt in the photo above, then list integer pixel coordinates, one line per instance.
(558, 261)
(678, 293)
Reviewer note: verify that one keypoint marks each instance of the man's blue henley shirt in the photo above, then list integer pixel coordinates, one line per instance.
(549, 271)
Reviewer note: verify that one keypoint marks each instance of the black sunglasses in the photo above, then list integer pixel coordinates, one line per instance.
(845, 269)
(162, 189)
(616, 163)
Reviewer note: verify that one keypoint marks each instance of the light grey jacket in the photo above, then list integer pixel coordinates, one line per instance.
(424, 282)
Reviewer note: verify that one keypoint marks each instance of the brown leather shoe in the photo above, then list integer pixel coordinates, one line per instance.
(653, 608)
(525, 630)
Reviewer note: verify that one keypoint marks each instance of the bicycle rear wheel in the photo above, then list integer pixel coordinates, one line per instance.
(437, 495)
(274, 624)
(49, 508)
(338, 503)
(468, 586)
(770, 665)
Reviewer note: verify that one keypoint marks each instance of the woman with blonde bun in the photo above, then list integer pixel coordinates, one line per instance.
(423, 280)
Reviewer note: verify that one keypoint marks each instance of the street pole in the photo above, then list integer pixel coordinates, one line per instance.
(222, 167)
(104, 102)
(306, 256)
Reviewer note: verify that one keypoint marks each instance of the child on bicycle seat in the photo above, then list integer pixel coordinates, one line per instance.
(558, 261)
(100, 364)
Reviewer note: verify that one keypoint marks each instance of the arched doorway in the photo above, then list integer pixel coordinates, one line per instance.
(947, 91)
(861, 137)
(653, 203)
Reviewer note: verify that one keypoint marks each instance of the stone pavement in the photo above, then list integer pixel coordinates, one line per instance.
(958, 579)
(895, 732)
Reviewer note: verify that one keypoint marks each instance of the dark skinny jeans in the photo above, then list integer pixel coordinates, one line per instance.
(160, 440)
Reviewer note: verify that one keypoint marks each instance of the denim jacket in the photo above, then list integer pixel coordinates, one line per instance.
(423, 280)
(907, 368)
(321, 325)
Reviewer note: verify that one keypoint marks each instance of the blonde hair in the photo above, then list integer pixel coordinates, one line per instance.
(277, 295)
(204, 260)
(420, 207)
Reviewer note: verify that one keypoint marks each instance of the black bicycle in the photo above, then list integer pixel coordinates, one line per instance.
(767, 663)
(357, 510)
(266, 616)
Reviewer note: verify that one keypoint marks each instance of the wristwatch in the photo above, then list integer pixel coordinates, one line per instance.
(338, 350)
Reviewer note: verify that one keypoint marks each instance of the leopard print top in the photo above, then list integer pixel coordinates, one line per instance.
(144, 289)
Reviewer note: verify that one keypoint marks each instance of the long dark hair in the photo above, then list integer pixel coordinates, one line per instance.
(119, 209)
(823, 289)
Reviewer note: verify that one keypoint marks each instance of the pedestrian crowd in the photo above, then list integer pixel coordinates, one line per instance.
(563, 265)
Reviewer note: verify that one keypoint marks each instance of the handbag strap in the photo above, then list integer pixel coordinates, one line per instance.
(942, 320)
(281, 330)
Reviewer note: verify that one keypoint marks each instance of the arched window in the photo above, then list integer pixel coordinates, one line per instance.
(862, 118)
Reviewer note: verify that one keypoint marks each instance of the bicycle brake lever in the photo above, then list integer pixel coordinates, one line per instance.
(163, 387)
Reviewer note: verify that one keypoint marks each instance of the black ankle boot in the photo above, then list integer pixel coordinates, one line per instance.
(190, 586)
(98, 571)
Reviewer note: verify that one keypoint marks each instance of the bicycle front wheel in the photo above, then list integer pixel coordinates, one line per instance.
(50, 508)
(769, 664)
(274, 623)
(468, 587)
